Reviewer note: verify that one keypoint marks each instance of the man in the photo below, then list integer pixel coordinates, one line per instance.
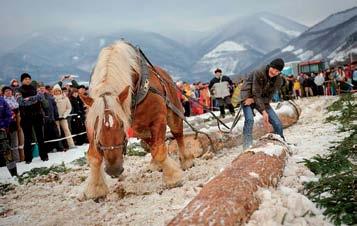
(256, 93)
(31, 116)
(220, 87)
(50, 116)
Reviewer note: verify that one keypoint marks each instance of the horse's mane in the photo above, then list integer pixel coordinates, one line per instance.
(112, 74)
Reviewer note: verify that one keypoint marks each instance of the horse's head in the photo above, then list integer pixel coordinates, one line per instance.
(109, 135)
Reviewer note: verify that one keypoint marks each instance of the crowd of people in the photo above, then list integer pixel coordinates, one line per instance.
(38, 116)
(52, 118)
(332, 81)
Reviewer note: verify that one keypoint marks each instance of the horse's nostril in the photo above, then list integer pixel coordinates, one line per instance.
(114, 171)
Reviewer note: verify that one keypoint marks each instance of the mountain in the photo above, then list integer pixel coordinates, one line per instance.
(49, 55)
(232, 47)
(333, 39)
(235, 45)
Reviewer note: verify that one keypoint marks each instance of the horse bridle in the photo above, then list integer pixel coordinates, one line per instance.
(102, 148)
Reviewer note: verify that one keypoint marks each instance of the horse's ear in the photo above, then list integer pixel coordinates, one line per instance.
(123, 95)
(87, 100)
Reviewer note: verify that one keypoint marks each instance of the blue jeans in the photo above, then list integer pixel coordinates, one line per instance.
(249, 121)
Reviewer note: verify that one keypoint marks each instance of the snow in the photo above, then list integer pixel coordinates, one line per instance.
(270, 149)
(306, 55)
(227, 46)
(311, 138)
(338, 56)
(289, 48)
(335, 19)
(55, 158)
(280, 28)
(299, 51)
(148, 202)
(223, 57)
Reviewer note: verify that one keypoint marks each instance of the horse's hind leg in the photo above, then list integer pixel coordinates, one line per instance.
(176, 125)
(172, 173)
(96, 186)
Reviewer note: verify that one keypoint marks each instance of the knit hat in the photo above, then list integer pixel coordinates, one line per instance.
(277, 64)
(56, 87)
(25, 75)
(218, 70)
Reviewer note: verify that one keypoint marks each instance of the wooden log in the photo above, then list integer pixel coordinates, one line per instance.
(228, 199)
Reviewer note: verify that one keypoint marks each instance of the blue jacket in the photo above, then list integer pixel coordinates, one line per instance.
(5, 114)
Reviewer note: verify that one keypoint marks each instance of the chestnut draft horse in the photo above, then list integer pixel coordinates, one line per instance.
(113, 86)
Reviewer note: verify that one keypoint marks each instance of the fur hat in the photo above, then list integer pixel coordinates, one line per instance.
(277, 64)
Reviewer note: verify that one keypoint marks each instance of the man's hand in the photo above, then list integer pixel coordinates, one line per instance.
(249, 101)
(266, 120)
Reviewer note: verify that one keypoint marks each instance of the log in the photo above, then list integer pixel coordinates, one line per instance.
(288, 113)
(228, 199)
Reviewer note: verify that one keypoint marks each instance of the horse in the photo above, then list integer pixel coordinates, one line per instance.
(114, 84)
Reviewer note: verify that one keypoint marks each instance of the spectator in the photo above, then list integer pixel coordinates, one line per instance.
(297, 89)
(78, 117)
(31, 117)
(6, 153)
(319, 81)
(308, 83)
(221, 87)
(50, 116)
(12, 131)
(14, 85)
(64, 109)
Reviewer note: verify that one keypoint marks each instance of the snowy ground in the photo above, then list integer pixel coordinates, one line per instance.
(148, 202)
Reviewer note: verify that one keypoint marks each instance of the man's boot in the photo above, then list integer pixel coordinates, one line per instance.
(13, 172)
(223, 113)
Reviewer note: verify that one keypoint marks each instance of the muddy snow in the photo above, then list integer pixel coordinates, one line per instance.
(140, 198)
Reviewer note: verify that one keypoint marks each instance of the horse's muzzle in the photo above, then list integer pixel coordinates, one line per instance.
(114, 171)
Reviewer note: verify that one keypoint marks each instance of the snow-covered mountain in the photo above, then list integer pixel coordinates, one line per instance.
(235, 45)
(333, 39)
(49, 55)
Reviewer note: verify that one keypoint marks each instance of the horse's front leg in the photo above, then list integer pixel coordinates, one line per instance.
(172, 173)
(96, 186)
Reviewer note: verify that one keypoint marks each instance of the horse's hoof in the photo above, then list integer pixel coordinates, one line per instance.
(153, 167)
(173, 180)
(177, 184)
(187, 164)
(96, 192)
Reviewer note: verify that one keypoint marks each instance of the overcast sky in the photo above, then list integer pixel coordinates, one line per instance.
(24, 16)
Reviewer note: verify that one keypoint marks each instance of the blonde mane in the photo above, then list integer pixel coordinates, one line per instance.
(112, 74)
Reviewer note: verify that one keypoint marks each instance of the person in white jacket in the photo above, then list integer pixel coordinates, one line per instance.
(64, 109)
(319, 81)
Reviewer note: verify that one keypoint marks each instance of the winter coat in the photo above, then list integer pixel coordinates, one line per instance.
(261, 87)
(50, 108)
(63, 105)
(5, 114)
(221, 86)
(30, 102)
(77, 106)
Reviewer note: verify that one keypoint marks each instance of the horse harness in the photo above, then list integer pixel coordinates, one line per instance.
(102, 148)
